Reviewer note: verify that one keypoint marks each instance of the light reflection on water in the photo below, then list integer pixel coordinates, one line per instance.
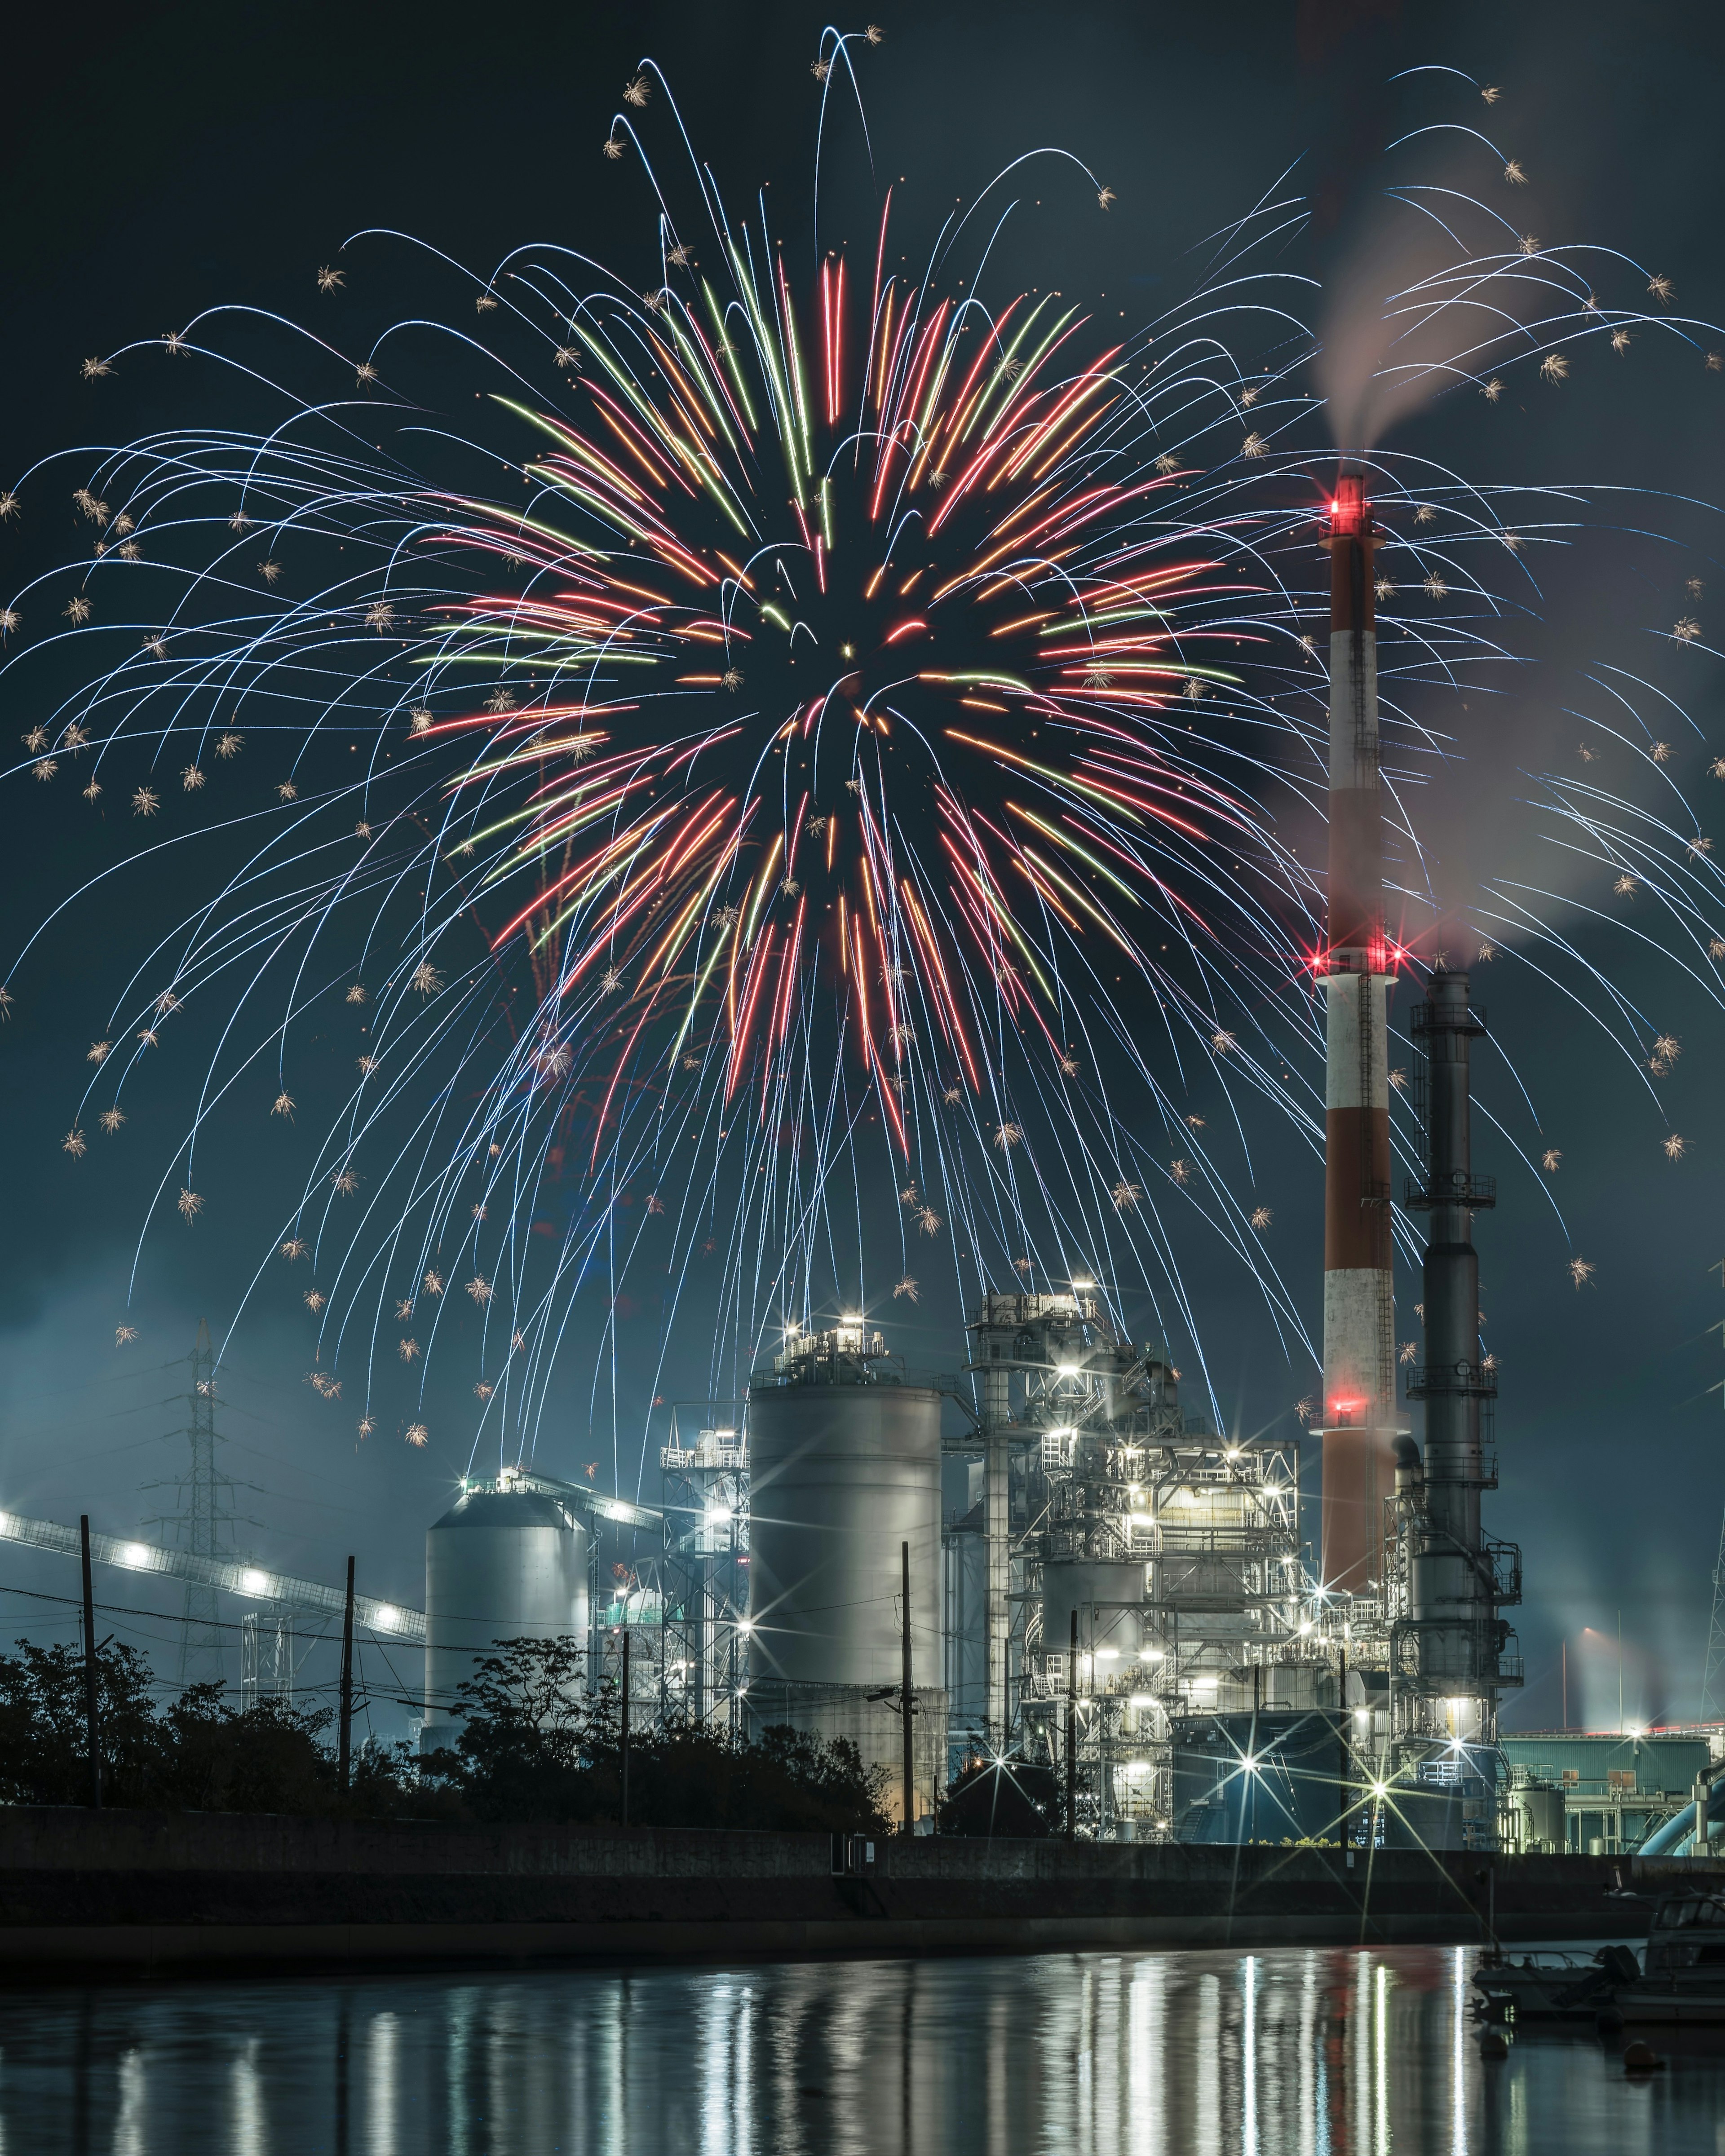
(1285, 2053)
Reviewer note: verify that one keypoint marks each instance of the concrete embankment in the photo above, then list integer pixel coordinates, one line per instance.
(162, 1892)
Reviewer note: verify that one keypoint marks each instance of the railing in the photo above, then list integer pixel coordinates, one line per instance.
(1504, 1562)
(1446, 1018)
(1451, 1380)
(677, 1459)
(1477, 1192)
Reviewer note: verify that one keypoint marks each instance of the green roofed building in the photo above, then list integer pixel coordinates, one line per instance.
(1598, 1792)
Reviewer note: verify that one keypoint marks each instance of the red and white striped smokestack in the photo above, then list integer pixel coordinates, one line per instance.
(1359, 1422)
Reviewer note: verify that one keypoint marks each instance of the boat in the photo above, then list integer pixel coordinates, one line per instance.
(1680, 1978)
(1554, 1986)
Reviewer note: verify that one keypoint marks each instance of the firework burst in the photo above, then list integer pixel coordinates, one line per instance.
(818, 727)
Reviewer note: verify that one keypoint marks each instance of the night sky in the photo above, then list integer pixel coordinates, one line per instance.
(161, 161)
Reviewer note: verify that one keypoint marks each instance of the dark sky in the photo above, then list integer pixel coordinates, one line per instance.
(164, 159)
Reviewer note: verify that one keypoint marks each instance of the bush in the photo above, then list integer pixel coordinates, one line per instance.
(536, 1746)
(196, 1754)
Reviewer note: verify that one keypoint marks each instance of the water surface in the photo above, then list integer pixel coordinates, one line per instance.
(1287, 2053)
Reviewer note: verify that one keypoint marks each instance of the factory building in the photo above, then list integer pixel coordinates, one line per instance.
(1135, 1565)
(1124, 1596)
(1601, 1792)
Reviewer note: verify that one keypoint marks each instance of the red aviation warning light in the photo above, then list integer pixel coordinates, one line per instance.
(1350, 514)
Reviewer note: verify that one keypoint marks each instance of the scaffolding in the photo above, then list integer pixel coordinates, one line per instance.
(704, 1479)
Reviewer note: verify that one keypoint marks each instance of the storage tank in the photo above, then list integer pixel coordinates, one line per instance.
(501, 1564)
(1106, 1595)
(1296, 1789)
(846, 1469)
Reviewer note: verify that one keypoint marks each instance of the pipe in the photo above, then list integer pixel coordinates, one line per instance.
(907, 1701)
(1359, 1407)
(997, 1593)
(1452, 1588)
(1072, 1736)
(1668, 1840)
(623, 1717)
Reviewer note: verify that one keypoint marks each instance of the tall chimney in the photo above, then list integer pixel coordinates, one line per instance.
(1359, 1419)
(1448, 1642)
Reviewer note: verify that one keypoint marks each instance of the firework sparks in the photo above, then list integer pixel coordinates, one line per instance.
(627, 884)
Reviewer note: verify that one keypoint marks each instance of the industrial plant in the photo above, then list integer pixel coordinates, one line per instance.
(1184, 1638)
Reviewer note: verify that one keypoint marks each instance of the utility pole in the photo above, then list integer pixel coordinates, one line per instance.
(623, 1724)
(346, 1736)
(905, 1700)
(91, 1737)
(1072, 1734)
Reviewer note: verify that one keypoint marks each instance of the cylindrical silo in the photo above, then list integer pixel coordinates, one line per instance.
(501, 1564)
(846, 1469)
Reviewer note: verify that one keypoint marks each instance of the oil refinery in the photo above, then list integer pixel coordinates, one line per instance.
(1127, 1598)
(1042, 1557)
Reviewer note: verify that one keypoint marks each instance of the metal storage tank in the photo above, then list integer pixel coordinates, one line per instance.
(1107, 1594)
(846, 1469)
(501, 1564)
(1295, 1789)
